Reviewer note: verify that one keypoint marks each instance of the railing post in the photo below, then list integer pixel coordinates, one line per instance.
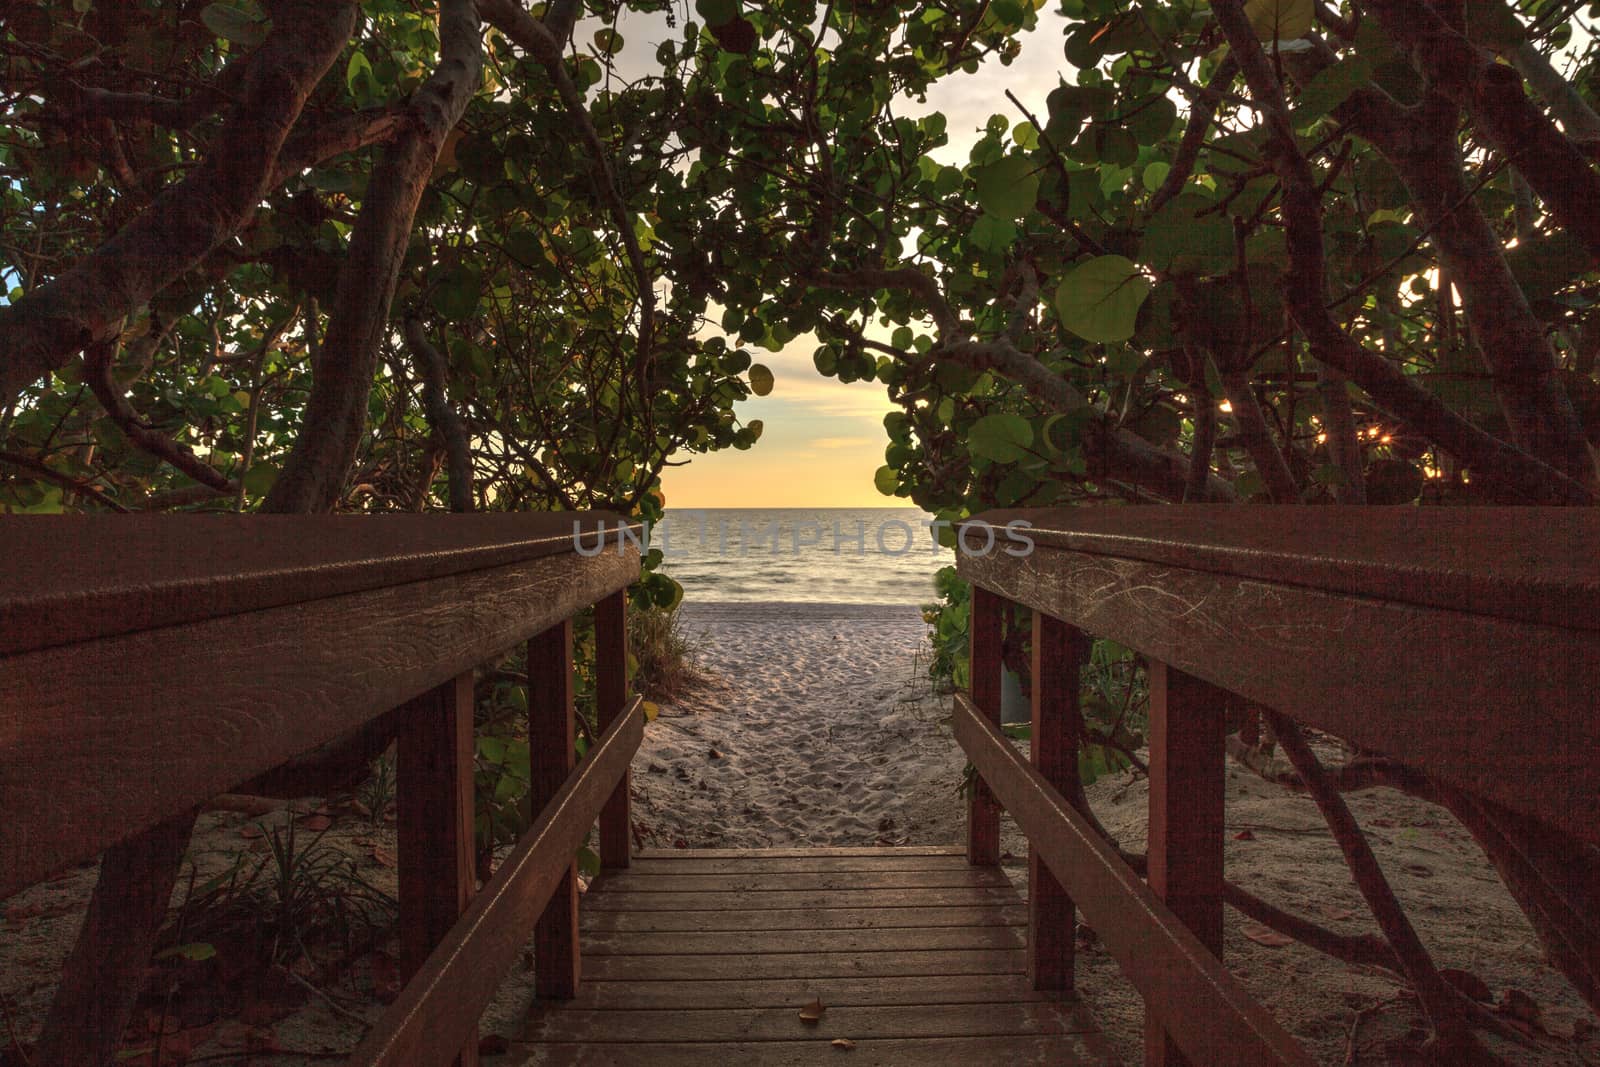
(434, 802)
(1187, 784)
(611, 697)
(556, 960)
(1059, 652)
(984, 672)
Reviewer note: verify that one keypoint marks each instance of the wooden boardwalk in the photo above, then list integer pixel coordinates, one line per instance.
(708, 957)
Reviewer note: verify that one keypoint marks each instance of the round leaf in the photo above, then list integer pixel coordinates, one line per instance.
(1002, 437)
(761, 379)
(1008, 188)
(1100, 299)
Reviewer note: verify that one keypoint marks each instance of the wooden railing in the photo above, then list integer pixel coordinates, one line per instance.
(1462, 642)
(148, 664)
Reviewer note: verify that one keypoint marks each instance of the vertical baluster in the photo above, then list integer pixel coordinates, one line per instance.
(1187, 781)
(984, 667)
(611, 696)
(1059, 652)
(434, 802)
(556, 960)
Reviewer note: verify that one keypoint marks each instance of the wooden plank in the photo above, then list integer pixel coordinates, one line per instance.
(864, 918)
(1059, 652)
(557, 959)
(783, 1024)
(1066, 1050)
(1188, 766)
(440, 1007)
(217, 702)
(611, 695)
(1488, 693)
(803, 852)
(1533, 564)
(985, 631)
(434, 826)
(804, 965)
(785, 992)
(71, 578)
(759, 942)
(643, 864)
(1214, 1020)
(800, 881)
(882, 898)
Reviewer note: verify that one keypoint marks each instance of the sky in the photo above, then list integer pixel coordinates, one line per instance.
(821, 439)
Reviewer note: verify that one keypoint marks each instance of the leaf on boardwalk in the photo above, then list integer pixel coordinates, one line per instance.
(843, 1042)
(1261, 935)
(812, 1012)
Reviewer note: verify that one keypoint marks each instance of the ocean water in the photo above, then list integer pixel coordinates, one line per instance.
(810, 555)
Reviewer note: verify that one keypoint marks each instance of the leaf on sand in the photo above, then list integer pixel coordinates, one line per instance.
(251, 832)
(812, 1012)
(315, 822)
(1261, 935)
(843, 1042)
(384, 858)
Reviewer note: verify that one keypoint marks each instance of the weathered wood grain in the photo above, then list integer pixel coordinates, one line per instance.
(787, 992)
(216, 702)
(1188, 768)
(1059, 652)
(1533, 564)
(755, 901)
(439, 1008)
(433, 826)
(821, 852)
(783, 1024)
(762, 942)
(1066, 1050)
(646, 863)
(71, 578)
(1210, 1015)
(984, 669)
(611, 696)
(1459, 695)
(841, 918)
(557, 960)
(845, 883)
(804, 965)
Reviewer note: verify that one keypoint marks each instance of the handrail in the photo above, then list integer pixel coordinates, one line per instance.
(437, 1012)
(149, 665)
(281, 638)
(1412, 662)
(1194, 996)
(1449, 639)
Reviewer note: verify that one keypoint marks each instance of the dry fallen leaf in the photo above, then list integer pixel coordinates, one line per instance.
(843, 1042)
(1334, 913)
(315, 822)
(383, 857)
(251, 832)
(1468, 983)
(1245, 835)
(812, 1012)
(1520, 1006)
(1261, 935)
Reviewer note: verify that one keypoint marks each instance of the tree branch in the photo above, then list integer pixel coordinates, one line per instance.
(446, 420)
(187, 220)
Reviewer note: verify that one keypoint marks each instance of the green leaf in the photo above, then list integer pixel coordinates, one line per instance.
(1492, 24)
(1280, 20)
(1155, 175)
(1100, 299)
(194, 950)
(761, 380)
(887, 480)
(359, 67)
(992, 234)
(1008, 188)
(258, 480)
(1330, 88)
(1179, 238)
(1002, 437)
(717, 12)
(651, 710)
(609, 41)
(235, 23)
